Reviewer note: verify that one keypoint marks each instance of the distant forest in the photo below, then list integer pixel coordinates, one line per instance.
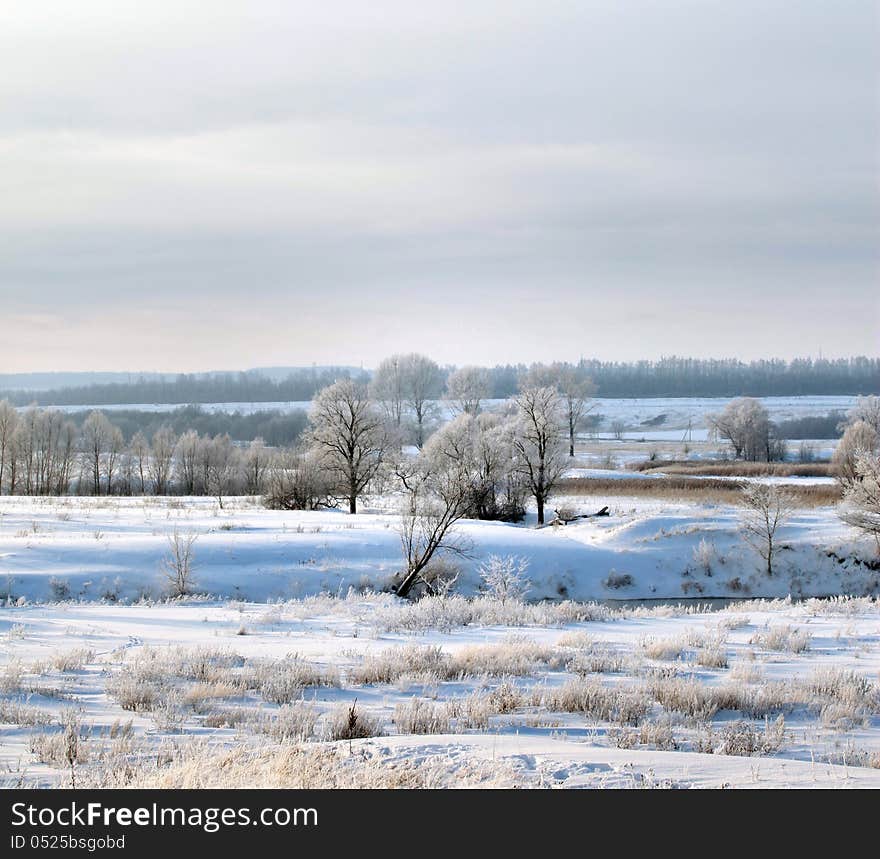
(668, 377)
(276, 428)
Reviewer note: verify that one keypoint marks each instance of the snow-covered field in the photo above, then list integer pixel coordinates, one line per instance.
(459, 694)
(254, 682)
(100, 548)
(671, 415)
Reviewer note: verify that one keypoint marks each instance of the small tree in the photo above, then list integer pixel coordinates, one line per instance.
(745, 423)
(859, 438)
(537, 442)
(161, 462)
(866, 409)
(504, 578)
(436, 497)
(178, 564)
(575, 388)
(861, 499)
(140, 456)
(466, 388)
(350, 434)
(767, 507)
(296, 481)
(221, 466)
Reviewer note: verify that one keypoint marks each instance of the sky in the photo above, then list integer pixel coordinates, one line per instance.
(189, 186)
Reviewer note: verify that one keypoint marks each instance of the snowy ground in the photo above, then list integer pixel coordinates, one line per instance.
(100, 548)
(483, 703)
(665, 417)
(252, 683)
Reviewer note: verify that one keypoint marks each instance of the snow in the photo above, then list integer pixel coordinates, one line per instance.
(114, 548)
(275, 583)
(563, 750)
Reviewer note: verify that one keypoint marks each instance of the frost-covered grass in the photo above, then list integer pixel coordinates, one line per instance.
(170, 694)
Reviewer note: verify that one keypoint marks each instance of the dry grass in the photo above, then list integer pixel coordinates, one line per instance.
(199, 765)
(728, 468)
(785, 639)
(417, 716)
(690, 490)
(625, 706)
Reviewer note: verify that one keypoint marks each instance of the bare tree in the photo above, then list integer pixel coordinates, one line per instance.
(859, 438)
(387, 387)
(115, 449)
(766, 508)
(221, 466)
(297, 481)
(466, 388)
(575, 388)
(179, 564)
(161, 463)
(140, 455)
(423, 383)
(435, 499)
(8, 422)
(861, 498)
(350, 434)
(256, 464)
(102, 445)
(188, 446)
(537, 442)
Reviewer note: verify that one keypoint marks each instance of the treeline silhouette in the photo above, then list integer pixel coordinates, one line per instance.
(668, 377)
(276, 428)
(249, 387)
(698, 377)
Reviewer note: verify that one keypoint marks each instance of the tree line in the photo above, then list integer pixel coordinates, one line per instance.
(667, 377)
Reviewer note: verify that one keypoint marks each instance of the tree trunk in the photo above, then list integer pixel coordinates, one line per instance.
(352, 504)
(540, 500)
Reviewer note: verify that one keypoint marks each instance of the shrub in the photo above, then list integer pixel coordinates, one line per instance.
(421, 717)
(786, 639)
(505, 578)
(347, 722)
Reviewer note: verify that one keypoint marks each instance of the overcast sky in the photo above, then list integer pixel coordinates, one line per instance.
(191, 185)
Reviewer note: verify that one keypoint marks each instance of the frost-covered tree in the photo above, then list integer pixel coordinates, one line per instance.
(99, 437)
(296, 480)
(859, 438)
(8, 422)
(221, 466)
(576, 390)
(256, 464)
(435, 497)
(187, 450)
(466, 388)
(162, 459)
(745, 423)
(387, 388)
(505, 578)
(538, 444)
(861, 499)
(481, 446)
(350, 434)
(423, 383)
(139, 450)
(766, 508)
(866, 409)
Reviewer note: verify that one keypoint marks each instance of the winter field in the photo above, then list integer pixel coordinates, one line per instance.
(291, 668)
(657, 418)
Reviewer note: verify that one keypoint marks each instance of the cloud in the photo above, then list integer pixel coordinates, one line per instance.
(281, 182)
